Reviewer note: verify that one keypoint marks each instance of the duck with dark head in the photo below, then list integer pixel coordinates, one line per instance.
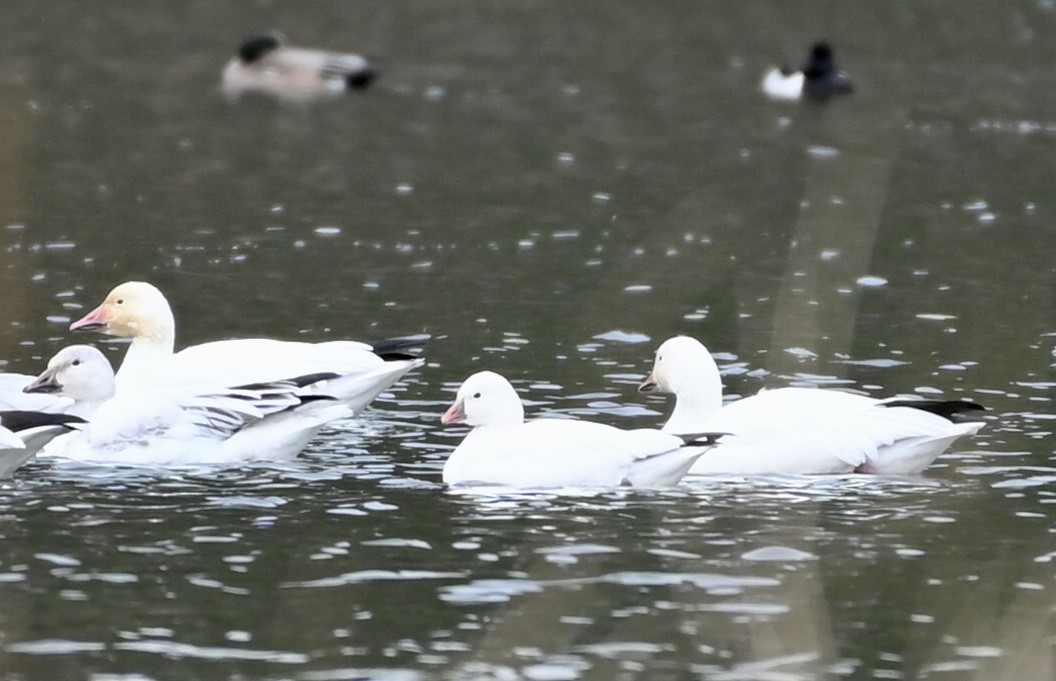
(267, 63)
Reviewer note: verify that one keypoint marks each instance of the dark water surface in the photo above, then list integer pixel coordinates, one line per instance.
(550, 189)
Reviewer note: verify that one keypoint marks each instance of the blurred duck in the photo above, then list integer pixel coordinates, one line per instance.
(819, 79)
(803, 430)
(265, 63)
(502, 449)
(272, 420)
(24, 433)
(139, 311)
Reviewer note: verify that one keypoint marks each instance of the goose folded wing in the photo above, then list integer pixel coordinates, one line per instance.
(567, 452)
(802, 427)
(221, 414)
(254, 360)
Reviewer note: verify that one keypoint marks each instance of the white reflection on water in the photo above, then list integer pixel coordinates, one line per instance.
(372, 576)
(177, 650)
(54, 647)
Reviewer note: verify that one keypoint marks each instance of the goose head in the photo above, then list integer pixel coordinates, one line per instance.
(136, 310)
(485, 399)
(682, 367)
(79, 372)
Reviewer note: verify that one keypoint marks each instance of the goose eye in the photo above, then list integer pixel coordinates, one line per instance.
(476, 396)
(120, 301)
(76, 362)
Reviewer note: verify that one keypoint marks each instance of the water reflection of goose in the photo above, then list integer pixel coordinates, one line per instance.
(266, 63)
(803, 430)
(503, 449)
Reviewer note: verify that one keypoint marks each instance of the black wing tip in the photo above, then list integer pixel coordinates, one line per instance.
(701, 439)
(952, 410)
(401, 347)
(293, 382)
(305, 399)
(16, 420)
(308, 379)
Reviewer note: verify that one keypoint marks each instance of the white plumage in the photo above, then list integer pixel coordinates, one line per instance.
(504, 450)
(270, 420)
(800, 430)
(782, 84)
(139, 311)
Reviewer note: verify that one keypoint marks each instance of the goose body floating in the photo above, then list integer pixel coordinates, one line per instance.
(503, 449)
(160, 426)
(803, 430)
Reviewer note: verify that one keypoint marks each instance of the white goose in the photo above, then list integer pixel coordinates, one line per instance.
(273, 420)
(24, 433)
(266, 63)
(802, 430)
(139, 311)
(79, 377)
(502, 449)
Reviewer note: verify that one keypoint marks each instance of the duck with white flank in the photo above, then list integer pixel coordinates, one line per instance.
(139, 311)
(503, 449)
(803, 430)
(266, 63)
(819, 79)
(273, 420)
